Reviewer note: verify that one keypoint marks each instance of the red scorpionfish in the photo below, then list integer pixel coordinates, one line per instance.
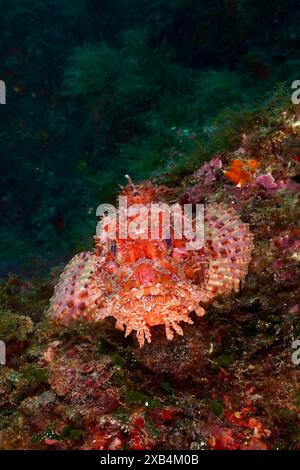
(145, 282)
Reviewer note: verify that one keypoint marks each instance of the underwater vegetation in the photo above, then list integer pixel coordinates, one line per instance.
(227, 382)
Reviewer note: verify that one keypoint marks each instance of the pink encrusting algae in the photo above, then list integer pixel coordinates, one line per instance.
(146, 282)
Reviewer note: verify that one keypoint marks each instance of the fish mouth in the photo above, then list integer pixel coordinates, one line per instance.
(157, 304)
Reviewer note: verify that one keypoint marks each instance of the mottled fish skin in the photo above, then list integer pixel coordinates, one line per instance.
(145, 282)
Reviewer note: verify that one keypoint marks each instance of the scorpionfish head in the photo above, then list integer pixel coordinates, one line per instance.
(145, 281)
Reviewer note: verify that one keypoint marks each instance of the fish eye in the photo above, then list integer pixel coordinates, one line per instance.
(168, 242)
(113, 247)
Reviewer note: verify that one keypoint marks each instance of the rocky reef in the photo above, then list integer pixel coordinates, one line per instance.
(230, 382)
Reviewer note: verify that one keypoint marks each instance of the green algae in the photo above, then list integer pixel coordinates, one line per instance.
(14, 326)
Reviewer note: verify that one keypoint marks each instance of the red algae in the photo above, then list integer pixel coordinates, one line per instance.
(241, 171)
